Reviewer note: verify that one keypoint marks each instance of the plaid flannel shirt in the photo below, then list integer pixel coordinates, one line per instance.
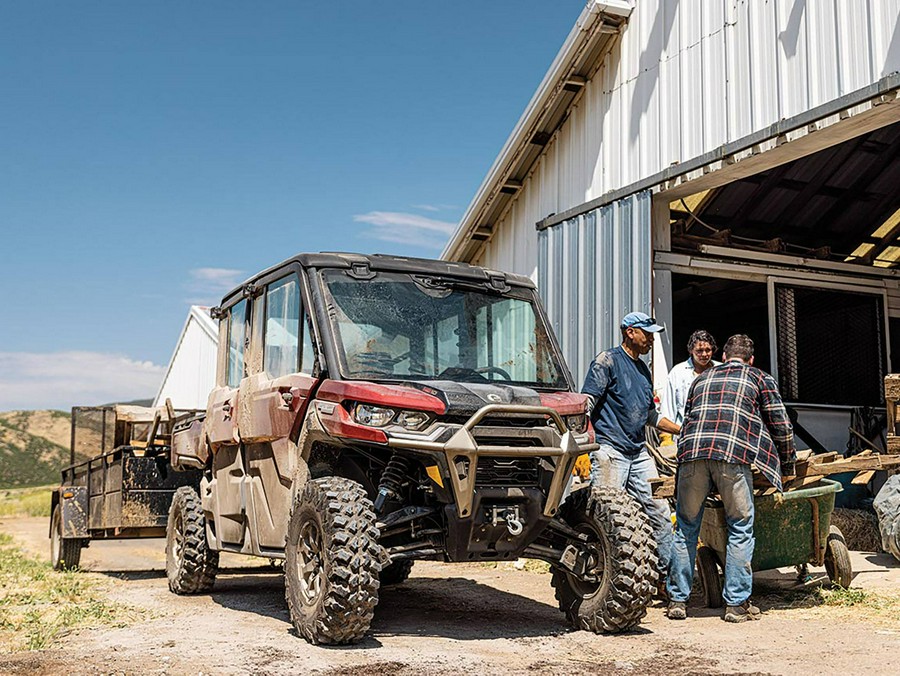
(734, 413)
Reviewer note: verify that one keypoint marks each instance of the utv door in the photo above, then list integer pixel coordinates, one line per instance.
(273, 398)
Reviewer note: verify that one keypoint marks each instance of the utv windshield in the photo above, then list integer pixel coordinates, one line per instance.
(399, 326)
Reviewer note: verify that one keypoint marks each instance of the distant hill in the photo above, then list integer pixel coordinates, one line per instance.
(134, 402)
(34, 445)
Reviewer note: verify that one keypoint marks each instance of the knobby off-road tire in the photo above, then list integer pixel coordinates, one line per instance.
(837, 559)
(626, 554)
(191, 565)
(332, 561)
(396, 572)
(710, 580)
(65, 553)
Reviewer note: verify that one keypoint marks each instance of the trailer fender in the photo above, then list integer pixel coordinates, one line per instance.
(73, 501)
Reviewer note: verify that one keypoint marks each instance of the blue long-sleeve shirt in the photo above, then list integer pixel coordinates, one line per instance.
(621, 389)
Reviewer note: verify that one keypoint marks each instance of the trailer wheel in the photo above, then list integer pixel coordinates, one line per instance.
(711, 581)
(837, 559)
(332, 561)
(65, 553)
(624, 576)
(396, 572)
(191, 565)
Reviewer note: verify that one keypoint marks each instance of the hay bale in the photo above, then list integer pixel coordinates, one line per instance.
(860, 529)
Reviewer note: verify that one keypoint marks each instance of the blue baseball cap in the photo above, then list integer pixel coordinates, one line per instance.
(638, 320)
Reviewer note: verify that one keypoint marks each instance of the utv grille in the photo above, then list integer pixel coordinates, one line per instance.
(500, 421)
(493, 471)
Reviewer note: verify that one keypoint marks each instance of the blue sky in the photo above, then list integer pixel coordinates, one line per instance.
(152, 155)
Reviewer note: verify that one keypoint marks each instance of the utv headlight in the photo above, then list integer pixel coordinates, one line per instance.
(413, 420)
(576, 423)
(372, 416)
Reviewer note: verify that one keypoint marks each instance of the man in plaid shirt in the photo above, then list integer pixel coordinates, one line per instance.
(734, 417)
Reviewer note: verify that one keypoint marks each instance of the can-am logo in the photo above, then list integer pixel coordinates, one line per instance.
(496, 398)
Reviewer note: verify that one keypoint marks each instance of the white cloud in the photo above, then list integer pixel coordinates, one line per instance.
(433, 207)
(392, 226)
(208, 285)
(60, 380)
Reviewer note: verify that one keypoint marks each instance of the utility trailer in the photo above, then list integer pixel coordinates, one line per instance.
(125, 489)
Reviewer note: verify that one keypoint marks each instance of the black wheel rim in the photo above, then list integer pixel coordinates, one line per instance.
(588, 586)
(308, 568)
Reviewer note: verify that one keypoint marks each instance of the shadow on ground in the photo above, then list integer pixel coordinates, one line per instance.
(455, 607)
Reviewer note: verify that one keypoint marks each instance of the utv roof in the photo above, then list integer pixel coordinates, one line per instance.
(384, 263)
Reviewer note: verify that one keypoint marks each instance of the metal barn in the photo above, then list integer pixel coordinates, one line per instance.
(723, 164)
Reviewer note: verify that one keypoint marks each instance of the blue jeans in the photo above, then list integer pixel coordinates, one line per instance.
(611, 467)
(734, 484)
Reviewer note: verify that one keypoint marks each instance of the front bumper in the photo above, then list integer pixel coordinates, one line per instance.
(553, 442)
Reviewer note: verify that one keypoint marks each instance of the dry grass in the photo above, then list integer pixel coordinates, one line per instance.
(881, 608)
(25, 501)
(39, 605)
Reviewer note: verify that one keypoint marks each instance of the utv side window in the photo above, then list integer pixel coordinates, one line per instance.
(307, 356)
(282, 344)
(237, 340)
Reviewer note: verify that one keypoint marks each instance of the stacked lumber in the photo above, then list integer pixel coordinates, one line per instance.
(892, 400)
(810, 468)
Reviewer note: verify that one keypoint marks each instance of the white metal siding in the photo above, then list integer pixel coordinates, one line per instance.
(595, 269)
(686, 77)
(192, 371)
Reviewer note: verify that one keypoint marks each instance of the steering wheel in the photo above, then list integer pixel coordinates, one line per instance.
(494, 369)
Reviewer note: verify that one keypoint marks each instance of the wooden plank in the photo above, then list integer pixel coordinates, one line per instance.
(863, 478)
(801, 482)
(892, 386)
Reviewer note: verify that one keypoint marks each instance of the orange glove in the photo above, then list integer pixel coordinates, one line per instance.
(583, 466)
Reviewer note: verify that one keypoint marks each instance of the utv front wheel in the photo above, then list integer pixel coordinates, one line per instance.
(191, 565)
(614, 593)
(65, 553)
(332, 562)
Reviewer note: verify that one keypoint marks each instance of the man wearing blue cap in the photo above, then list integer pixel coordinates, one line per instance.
(621, 390)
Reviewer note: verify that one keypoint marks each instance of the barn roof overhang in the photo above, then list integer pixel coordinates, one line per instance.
(580, 56)
(840, 204)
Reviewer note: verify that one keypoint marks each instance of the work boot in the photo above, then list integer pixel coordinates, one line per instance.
(677, 610)
(742, 613)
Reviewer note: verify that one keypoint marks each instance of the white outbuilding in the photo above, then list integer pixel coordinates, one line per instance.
(191, 374)
(730, 165)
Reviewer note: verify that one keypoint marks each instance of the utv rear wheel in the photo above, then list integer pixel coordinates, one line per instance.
(65, 553)
(191, 565)
(332, 561)
(614, 595)
(396, 572)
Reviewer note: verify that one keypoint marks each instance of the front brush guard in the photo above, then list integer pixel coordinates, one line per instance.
(462, 446)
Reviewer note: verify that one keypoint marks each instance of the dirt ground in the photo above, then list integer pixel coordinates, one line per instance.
(446, 619)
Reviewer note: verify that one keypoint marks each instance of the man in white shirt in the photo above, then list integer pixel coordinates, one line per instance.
(701, 346)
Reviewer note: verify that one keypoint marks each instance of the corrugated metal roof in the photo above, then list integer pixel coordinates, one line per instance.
(589, 40)
(685, 78)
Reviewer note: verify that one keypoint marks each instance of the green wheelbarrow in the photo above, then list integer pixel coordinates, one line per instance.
(791, 529)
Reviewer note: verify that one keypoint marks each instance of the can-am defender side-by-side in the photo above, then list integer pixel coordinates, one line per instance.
(374, 410)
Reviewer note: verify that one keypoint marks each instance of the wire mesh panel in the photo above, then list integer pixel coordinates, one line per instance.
(831, 345)
(93, 431)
